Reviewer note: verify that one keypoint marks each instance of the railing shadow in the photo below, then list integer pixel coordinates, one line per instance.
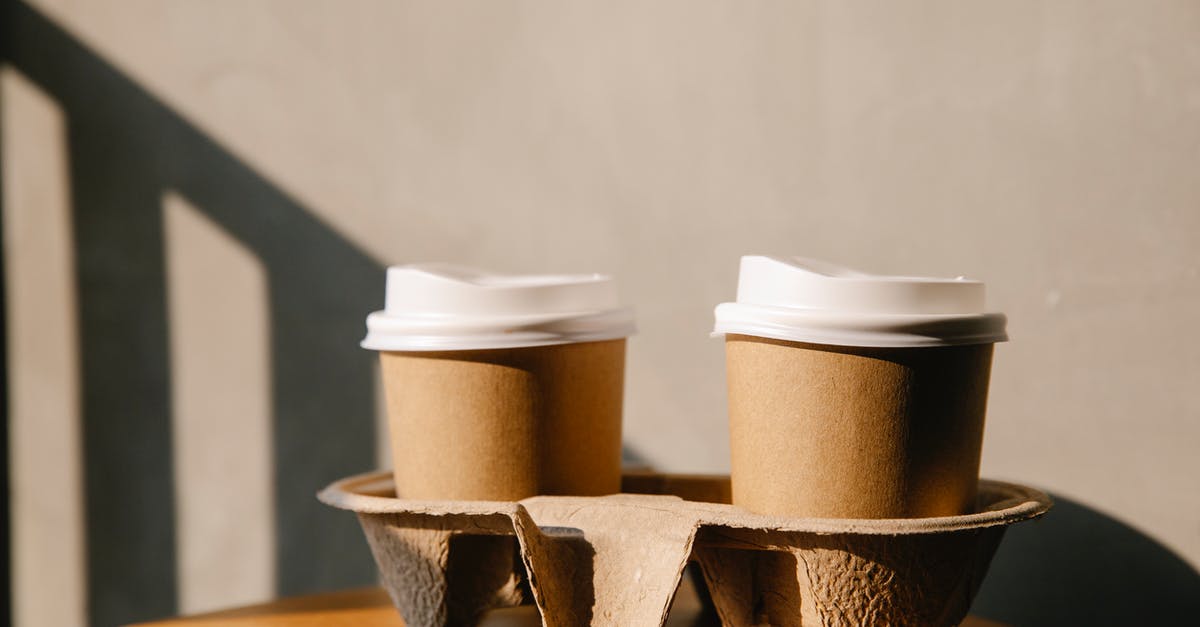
(126, 148)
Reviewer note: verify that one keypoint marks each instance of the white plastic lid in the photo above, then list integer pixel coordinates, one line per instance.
(440, 306)
(805, 300)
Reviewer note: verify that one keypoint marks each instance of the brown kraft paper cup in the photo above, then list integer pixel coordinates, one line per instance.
(506, 424)
(853, 432)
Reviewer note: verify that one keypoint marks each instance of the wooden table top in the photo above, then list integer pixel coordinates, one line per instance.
(370, 607)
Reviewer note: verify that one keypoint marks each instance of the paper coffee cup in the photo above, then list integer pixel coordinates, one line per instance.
(854, 395)
(501, 387)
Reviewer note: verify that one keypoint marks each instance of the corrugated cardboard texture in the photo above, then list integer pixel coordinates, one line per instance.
(506, 424)
(848, 432)
(617, 560)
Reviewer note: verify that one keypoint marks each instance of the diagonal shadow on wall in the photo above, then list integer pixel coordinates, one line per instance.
(125, 149)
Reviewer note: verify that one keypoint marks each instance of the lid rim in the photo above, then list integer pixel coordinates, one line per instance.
(429, 343)
(859, 329)
(865, 340)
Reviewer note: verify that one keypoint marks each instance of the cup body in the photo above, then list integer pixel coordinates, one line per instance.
(507, 423)
(855, 432)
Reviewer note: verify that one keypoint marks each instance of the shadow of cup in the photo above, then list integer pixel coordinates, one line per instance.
(1078, 566)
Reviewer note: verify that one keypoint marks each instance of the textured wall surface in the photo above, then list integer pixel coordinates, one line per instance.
(1048, 148)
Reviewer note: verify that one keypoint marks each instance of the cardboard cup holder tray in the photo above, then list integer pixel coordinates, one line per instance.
(618, 560)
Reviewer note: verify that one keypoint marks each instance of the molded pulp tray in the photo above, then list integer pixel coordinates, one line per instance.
(617, 560)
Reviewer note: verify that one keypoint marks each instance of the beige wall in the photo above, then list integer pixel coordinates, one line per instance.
(1049, 148)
